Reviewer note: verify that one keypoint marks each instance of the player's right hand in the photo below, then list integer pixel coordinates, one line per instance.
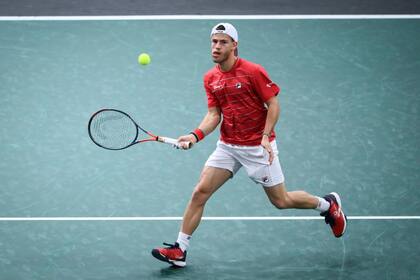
(187, 141)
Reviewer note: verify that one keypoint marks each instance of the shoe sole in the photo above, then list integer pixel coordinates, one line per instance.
(338, 200)
(159, 256)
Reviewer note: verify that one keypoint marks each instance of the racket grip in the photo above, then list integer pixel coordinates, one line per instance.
(172, 141)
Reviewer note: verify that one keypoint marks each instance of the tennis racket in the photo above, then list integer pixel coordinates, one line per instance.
(115, 130)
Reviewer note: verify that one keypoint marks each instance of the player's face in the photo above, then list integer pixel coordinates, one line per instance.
(222, 47)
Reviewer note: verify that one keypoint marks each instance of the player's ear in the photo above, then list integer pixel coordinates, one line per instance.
(235, 48)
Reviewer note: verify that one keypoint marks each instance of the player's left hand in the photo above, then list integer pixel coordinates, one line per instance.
(265, 143)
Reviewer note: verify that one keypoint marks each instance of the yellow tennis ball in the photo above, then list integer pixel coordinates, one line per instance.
(144, 59)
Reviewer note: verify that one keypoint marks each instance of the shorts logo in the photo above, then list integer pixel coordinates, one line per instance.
(238, 85)
(265, 179)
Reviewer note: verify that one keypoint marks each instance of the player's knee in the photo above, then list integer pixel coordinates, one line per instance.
(281, 203)
(200, 195)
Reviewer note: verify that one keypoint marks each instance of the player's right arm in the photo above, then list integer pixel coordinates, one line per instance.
(207, 125)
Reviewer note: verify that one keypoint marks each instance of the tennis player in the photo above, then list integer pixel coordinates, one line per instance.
(241, 95)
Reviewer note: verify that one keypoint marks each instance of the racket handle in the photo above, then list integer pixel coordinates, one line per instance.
(172, 141)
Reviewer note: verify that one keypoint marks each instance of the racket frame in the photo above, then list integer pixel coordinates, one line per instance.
(161, 139)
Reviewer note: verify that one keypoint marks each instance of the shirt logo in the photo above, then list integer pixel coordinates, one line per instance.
(238, 85)
(269, 85)
(217, 87)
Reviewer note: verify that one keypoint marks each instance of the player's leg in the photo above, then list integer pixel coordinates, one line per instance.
(211, 179)
(218, 169)
(329, 205)
(270, 176)
(282, 199)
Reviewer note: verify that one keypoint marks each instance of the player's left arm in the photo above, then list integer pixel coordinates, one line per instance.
(270, 122)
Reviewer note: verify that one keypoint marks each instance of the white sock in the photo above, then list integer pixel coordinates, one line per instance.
(323, 205)
(183, 241)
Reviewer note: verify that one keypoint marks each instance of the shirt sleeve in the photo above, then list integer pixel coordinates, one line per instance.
(211, 98)
(263, 86)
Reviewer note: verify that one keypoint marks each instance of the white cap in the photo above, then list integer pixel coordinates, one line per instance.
(225, 28)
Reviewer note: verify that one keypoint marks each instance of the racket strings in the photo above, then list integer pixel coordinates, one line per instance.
(113, 130)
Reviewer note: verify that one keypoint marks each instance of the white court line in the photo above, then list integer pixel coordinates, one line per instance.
(262, 218)
(203, 17)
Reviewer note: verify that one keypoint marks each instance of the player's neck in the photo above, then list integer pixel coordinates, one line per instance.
(227, 65)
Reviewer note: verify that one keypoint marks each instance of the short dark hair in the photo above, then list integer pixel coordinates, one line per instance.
(222, 27)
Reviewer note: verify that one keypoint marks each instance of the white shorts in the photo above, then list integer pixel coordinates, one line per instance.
(253, 158)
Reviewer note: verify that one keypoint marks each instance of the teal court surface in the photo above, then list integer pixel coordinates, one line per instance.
(349, 123)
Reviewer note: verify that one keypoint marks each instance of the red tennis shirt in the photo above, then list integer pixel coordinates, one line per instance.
(240, 94)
